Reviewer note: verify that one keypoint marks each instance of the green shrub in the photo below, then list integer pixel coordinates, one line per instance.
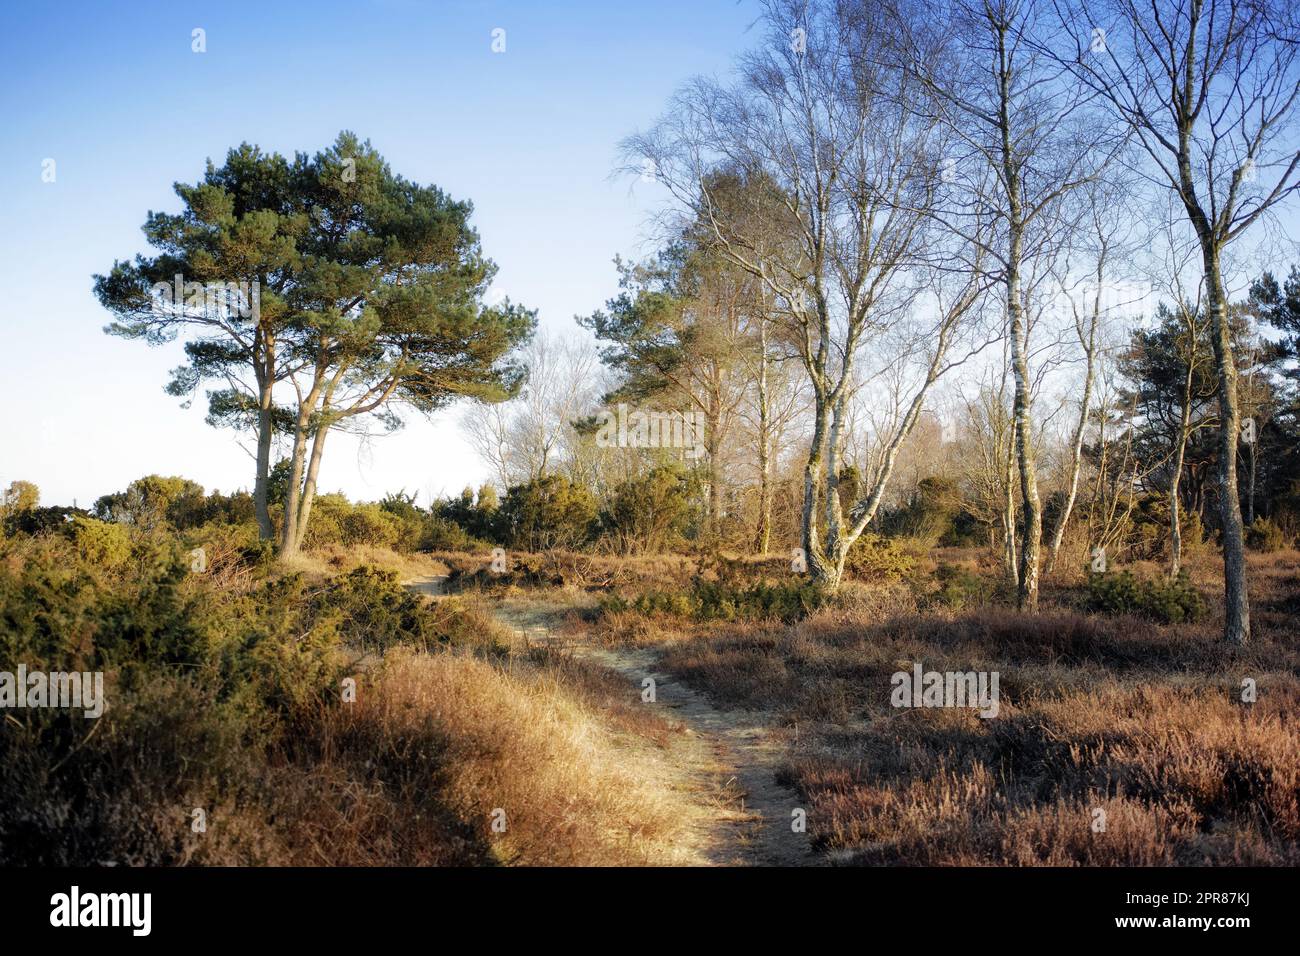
(1192, 531)
(34, 521)
(650, 513)
(65, 611)
(276, 645)
(720, 601)
(442, 534)
(546, 513)
(930, 514)
(1171, 602)
(335, 520)
(394, 523)
(408, 520)
(376, 612)
(325, 524)
(875, 558)
(1263, 535)
(370, 524)
(208, 686)
(100, 542)
(150, 501)
(476, 520)
(959, 587)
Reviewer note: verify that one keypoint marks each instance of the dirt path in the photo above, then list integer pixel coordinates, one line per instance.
(759, 831)
(728, 758)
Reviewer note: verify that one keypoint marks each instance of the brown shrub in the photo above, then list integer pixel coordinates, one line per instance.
(1141, 722)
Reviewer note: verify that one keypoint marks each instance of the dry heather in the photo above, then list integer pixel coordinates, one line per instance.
(1119, 741)
(410, 774)
(591, 572)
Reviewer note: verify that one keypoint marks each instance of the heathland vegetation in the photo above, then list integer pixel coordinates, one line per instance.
(969, 347)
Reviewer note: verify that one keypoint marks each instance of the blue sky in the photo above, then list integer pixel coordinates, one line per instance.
(115, 96)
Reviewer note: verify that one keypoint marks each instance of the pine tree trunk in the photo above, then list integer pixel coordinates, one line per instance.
(309, 485)
(265, 434)
(289, 535)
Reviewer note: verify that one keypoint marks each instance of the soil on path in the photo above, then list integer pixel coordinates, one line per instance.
(730, 758)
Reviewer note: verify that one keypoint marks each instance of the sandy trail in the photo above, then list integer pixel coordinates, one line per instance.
(728, 758)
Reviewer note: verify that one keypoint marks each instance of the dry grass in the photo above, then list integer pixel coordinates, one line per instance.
(335, 558)
(1183, 777)
(566, 569)
(435, 744)
(1117, 719)
(410, 774)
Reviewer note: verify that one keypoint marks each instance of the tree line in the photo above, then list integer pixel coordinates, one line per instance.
(951, 268)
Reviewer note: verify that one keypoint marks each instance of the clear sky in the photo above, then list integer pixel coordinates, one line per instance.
(113, 93)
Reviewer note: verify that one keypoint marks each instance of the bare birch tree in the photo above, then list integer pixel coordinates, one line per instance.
(1023, 142)
(819, 113)
(1209, 87)
(1102, 299)
(533, 435)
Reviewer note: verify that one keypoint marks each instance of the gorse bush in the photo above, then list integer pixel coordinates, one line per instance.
(61, 606)
(1171, 602)
(442, 534)
(1263, 535)
(155, 501)
(1148, 536)
(960, 587)
(724, 601)
(397, 523)
(377, 613)
(101, 542)
(209, 688)
(787, 601)
(546, 513)
(146, 611)
(651, 513)
(335, 520)
(41, 520)
(932, 514)
(880, 559)
(473, 520)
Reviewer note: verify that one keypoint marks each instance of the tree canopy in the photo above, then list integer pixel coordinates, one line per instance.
(317, 293)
